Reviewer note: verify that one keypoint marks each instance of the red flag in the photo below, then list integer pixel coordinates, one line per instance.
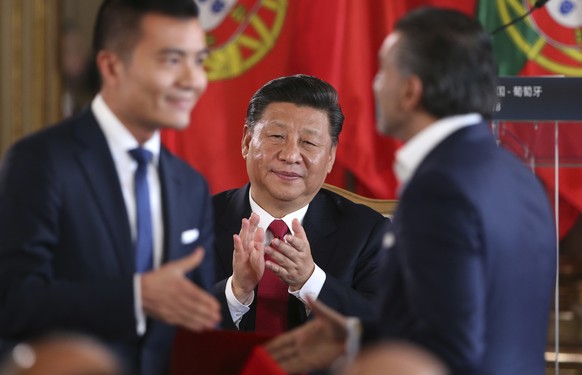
(255, 41)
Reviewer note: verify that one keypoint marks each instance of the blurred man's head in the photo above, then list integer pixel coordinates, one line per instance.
(396, 358)
(150, 55)
(436, 63)
(61, 355)
(118, 23)
(289, 142)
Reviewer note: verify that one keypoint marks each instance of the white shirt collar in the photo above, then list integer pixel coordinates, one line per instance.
(266, 218)
(413, 152)
(120, 140)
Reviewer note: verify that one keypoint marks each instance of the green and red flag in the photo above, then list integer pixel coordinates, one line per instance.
(548, 42)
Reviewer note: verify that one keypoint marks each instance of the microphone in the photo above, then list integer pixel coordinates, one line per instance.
(538, 4)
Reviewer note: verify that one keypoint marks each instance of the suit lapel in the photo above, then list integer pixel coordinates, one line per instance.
(171, 184)
(99, 169)
(319, 224)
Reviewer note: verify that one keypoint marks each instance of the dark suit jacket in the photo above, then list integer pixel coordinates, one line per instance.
(66, 253)
(472, 270)
(345, 240)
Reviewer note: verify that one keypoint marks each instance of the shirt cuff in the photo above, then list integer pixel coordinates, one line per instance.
(311, 288)
(236, 308)
(140, 318)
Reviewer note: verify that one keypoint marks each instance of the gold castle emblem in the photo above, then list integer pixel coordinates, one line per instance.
(239, 33)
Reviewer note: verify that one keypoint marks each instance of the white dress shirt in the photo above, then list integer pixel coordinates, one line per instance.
(120, 141)
(312, 286)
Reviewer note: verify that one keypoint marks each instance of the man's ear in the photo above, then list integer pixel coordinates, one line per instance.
(110, 66)
(331, 158)
(412, 93)
(246, 140)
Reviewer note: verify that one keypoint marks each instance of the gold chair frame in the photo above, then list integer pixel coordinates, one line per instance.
(386, 207)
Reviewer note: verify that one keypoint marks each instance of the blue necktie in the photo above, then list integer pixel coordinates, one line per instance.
(144, 238)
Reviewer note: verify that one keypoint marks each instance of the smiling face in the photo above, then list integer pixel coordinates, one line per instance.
(159, 82)
(288, 154)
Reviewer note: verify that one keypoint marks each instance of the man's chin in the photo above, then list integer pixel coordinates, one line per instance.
(285, 195)
(179, 125)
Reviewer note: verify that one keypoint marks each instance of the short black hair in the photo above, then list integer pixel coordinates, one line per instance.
(117, 27)
(301, 90)
(453, 56)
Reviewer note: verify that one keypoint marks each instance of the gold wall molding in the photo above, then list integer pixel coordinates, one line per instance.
(30, 92)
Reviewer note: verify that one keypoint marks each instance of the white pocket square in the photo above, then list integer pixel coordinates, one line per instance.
(189, 236)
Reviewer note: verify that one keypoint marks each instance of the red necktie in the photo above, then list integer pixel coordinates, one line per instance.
(273, 295)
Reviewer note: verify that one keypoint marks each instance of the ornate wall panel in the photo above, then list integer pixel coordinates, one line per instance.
(29, 76)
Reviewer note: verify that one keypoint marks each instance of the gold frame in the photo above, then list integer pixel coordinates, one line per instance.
(386, 207)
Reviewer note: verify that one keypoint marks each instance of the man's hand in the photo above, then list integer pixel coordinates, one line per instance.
(314, 345)
(248, 260)
(292, 260)
(167, 294)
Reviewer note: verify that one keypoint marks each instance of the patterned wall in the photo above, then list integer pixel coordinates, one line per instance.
(29, 79)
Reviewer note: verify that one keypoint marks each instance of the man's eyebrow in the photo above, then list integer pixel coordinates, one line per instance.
(312, 131)
(276, 123)
(178, 51)
(167, 51)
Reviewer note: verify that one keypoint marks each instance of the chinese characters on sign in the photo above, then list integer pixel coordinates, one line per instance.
(519, 91)
(538, 98)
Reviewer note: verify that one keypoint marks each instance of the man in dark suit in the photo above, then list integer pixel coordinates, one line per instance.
(83, 245)
(471, 269)
(331, 250)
